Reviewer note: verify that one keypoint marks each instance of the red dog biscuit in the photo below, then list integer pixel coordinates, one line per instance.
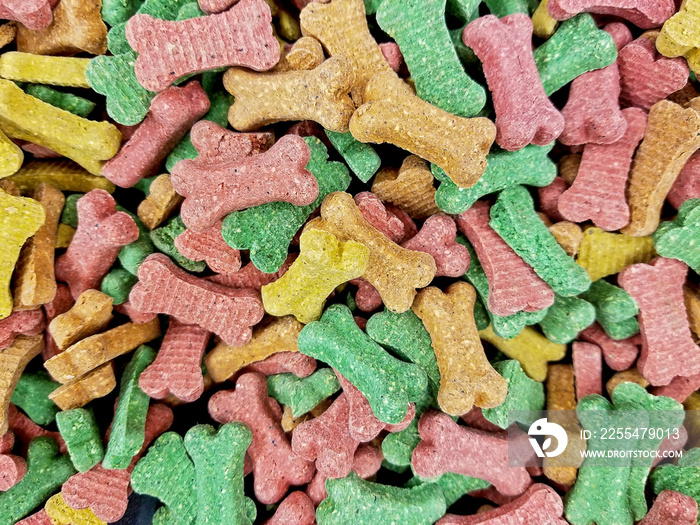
(327, 440)
(592, 113)
(241, 36)
(619, 355)
(362, 423)
(213, 188)
(668, 349)
(296, 363)
(101, 233)
(679, 388)
(177, 367)
(513, 284)
(215, 6)
(447, 447)
(209, 246)
(25, 430)
(24, 322)
(366, 463)
(687, 185)
(549, 198)
(410, 229)
(275, 465)
(437, 237)
(392, 54)
(646, 76)
(212, 140)
(375, 213)
(40, 518)
(642, 13)
(250, 277)
(171, 114)
(106, 491)
(12, 468)
(523, 115)
(540, 505)
(32, 14)
(672, 507)
(598, 193)
(296, 509)
(229, 313)
(588, 369)
(367, 297)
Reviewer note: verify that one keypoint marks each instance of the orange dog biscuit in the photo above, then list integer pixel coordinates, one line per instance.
(91, 313)
(410, 187)
(160, 202)
(79, 392)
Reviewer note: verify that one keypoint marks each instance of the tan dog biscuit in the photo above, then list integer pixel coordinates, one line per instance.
(410, 187)
(91, 313)
(12, 362)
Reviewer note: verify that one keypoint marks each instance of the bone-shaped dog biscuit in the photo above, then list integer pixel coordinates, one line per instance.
(13, 360)
(466, 377)
(90, 314)
(320, 94)
(393, 113)
(33, 14)
(323, 264)
(410, 187)
(642, 13)
(680, 35)
(394, 271)
(241, 36)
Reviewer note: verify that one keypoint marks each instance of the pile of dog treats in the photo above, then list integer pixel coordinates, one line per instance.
(296, 262)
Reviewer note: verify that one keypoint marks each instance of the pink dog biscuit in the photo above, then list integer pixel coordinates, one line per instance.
(171, 114)
(275, 465)
(410, 229)
(642, 13)
(12, 468)
(209, 246)
(106, 491)
(39, 518)
(523, 115)
(327, 440)
(687, 185)
(668, 349)
(437, 237)
(366, 463)
(241, 36)
(211, 140)
(215, 6)
(672, 444)
(392, 54)
(374, 212)
(619, 355)
(296, 509)
(672, 507)
(447, 447)
(25, 430)
(229, 313)
(646, 76)
(549, 198)
(679, 388)
(592, 113)
(540, 505)
(250, 277)
(362, 423)
(284, 363)
(367, 297)
(213, 188)
(177, 367)
(513, 284)
(101, 233)
(24, 322)
(32, 14)
(598, 193)
(588, 369)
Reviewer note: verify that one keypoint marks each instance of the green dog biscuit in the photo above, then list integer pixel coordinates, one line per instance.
(530, 165)
(680, 238)
(144, 185)
(164, 239)
(420, 30)
(167, 474)
(218, 463)
(463, 10)
(453, 486)
(683, 478)
(502, 8)
(79, 430)
(117, 284)
(132, 255)
(113, 76)
(354, 500)
(47, 470)
(514, 219)
(361, 158)
(302, 394)
(611, 302)
(523, 394)
(268, 229)
(481, 316)
(189, 10)
(578, 46)
(566, 318)
(129, 424)
(621, 329)
(506, 327)
(69, 215)
(32, 395)
(388, 384)
(371, 6)
(66, 101)
(119, 11)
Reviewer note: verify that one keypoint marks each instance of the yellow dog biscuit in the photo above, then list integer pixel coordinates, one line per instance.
(61, 514)
(63, 175)
(11, 156)
(39, 69)
(680, 34)
(603, 253)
